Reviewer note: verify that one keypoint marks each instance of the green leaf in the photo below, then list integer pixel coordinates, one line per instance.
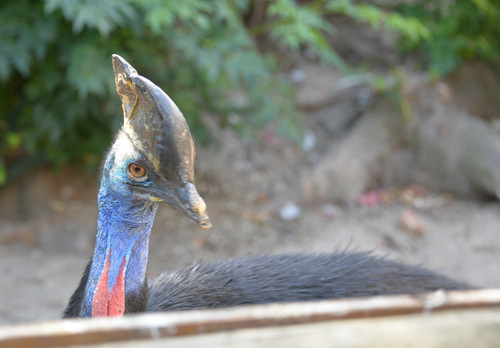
(3, 174)
(105, 16)
(90, 70)
(24, 37)
(14, 140)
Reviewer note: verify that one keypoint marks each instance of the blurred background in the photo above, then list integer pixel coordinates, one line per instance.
(319, 125)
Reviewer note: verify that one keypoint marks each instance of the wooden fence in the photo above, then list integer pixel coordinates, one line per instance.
(438, 319)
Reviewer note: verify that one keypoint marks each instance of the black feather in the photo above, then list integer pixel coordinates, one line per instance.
(288, 278)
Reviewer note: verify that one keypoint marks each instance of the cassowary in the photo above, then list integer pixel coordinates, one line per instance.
(151, 162)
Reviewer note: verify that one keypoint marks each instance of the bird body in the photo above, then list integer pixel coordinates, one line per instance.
(151, 162)
(289, 278)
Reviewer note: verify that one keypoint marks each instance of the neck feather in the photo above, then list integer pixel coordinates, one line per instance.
(117, 277)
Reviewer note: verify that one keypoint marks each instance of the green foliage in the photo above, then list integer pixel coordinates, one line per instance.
(57, 95)
(57, 89)
(296, 24)
(461, 29)
(104, 16)
(24, 37)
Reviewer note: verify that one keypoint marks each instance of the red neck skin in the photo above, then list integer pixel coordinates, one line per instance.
(110, 303)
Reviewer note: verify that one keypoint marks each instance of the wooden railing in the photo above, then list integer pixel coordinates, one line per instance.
(438, 319)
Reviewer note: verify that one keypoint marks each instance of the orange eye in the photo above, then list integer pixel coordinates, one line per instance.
(137, 172)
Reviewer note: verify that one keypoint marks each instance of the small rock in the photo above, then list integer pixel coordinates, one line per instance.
(271, 139)
(411, 192)
(411, 222)
(261, 215)
(200, 242)
(309, 141)
(385, 196)
(261, 198)
(368, 199)
(290, 211)
(329, 212)
(297, 75)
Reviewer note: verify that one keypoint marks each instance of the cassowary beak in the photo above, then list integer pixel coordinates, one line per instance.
(186, 199)
(194, 205)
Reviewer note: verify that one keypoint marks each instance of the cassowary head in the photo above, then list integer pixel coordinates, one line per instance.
(152, 158)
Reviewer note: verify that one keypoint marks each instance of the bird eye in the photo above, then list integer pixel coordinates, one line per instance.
(137, 172)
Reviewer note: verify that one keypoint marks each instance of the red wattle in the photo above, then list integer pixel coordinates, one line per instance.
(116, 304)
(105, 303)
(100, 301)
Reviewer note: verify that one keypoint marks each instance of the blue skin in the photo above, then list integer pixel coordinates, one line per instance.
(123, 226)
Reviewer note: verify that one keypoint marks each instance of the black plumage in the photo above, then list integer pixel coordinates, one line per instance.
(289, 278)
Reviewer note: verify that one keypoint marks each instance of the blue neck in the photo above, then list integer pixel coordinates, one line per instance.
(123, 230)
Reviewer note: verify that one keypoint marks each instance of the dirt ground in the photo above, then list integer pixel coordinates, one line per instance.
(48, 223)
